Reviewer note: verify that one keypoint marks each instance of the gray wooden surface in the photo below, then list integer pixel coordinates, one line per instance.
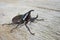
(49, 10)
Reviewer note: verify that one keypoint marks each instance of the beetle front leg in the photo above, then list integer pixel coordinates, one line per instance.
(40, 19)
(29, 29)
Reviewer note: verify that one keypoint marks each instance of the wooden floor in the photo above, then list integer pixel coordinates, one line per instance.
(49, 10)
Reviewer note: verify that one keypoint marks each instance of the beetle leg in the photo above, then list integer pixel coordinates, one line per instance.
(14, 28)
(40, 19)
(8, 24)
(28, 29)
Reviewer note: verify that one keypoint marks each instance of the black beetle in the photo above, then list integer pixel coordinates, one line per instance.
(20, 19)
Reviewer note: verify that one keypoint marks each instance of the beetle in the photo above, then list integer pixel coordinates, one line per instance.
(20, 19)
(24, 19)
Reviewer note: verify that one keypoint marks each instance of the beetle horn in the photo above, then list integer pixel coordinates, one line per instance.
(36, 17)
(31, 10)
